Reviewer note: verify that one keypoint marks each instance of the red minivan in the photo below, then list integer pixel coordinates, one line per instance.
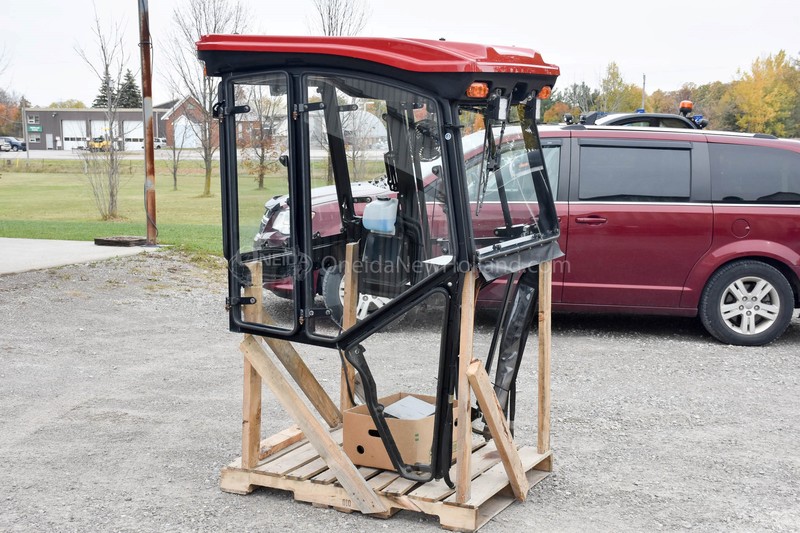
(653, 220)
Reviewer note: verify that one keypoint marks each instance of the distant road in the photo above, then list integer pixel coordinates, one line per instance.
(76, 154)
(162, 154)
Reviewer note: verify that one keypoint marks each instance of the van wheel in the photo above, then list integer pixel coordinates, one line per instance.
(332, 279)
(747, 303)
(333, 296)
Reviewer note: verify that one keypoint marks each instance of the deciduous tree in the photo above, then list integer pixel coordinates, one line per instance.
(9, 114)
(616, 95)
(339, 17)
(71, 103)
(579, 95)
(661, 102)
(556, 112)
(766, 97)
(192, 19)
(261, 149)
(102, 168)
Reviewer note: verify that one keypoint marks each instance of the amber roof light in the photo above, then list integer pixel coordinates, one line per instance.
(545, 93)
(478, 89)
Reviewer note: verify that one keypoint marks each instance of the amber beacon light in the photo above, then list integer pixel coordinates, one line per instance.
(478, 89)
(545, 93)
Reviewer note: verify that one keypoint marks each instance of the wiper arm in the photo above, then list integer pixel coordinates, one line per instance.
(483, 179)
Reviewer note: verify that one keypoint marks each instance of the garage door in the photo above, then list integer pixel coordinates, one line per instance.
(185, 134)
(74, 134)
(133, 135)
(99, 128)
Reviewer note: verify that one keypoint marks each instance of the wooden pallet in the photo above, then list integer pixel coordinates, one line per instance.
(308, 459)
(297, 468)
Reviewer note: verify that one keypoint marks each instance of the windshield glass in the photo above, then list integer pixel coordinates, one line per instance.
(510, 197)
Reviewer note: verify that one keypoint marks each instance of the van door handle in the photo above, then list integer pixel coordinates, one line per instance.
(593, 220)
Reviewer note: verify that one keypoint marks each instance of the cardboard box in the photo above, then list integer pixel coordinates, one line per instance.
(364, 446)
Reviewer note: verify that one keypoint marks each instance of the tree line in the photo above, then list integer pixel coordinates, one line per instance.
(765, 99)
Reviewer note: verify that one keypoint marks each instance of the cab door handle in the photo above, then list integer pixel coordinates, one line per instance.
(592, 220)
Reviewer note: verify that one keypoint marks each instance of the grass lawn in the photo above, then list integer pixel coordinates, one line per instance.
(53, 200)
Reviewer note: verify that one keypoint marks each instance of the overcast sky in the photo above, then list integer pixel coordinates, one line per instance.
(672, 42)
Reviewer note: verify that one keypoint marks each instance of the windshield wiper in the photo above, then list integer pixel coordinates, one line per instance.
(490, 162)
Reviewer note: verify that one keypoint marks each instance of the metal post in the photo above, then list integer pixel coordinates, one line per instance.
(147, 100)
(24, 119)
(644, 80)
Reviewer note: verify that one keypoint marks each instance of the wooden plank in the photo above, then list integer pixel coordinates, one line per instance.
(290, 461)
(332, 495)
(235, 481)
(330, 476)
(494, 505)
(496, 420)
(352, 481)
(324, 478)
(279, 442)
(251, 389)
(496, 478)
(309, 470)
(399, 487)
(350, 308)
(545, 302)
(304, 378)
(483, 459)
(251, 416)
(317, 465)
(493, 485)
(383, 479)
(464, 433)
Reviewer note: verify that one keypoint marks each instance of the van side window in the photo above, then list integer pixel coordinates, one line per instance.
(754, 174)
(632, 174)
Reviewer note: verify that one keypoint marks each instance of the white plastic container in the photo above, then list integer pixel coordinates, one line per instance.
(380, 215)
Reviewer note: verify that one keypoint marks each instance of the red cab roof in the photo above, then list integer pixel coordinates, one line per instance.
(417, 55)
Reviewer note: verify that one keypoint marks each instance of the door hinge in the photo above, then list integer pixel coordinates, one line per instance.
(236, 300)
(305, 108)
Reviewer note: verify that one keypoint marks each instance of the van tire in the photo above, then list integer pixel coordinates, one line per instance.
(331, 292)
(747, 303)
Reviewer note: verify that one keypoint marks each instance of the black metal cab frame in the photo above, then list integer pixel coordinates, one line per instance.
(414, 96)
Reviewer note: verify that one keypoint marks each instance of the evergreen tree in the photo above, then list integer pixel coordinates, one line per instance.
(106, 91)
(130, 97)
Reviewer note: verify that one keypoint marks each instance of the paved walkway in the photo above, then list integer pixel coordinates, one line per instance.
(21, 255)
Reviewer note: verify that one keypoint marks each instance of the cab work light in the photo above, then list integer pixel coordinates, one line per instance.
(478, 89)
(545, 93)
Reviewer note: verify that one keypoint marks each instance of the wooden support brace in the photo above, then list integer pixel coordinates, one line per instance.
(346, 473)
(501, 434)
(305, 379)
(279, 442)
(545, 303)
(350, 307)
(251, 392)
(464, 434)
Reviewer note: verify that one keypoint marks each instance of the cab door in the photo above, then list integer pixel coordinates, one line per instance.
(636, 227)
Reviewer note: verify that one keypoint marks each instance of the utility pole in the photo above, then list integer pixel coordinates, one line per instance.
(644, 79)
(147, 110)
(24, 121)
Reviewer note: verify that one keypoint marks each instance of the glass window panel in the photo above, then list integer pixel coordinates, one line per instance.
(380, 145)
(634, 174)
(263, 187)
(754, 174)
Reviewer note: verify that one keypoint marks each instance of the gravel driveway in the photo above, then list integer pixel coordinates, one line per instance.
(120, 400)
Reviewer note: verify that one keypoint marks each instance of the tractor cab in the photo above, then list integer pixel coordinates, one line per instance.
(418, 160)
